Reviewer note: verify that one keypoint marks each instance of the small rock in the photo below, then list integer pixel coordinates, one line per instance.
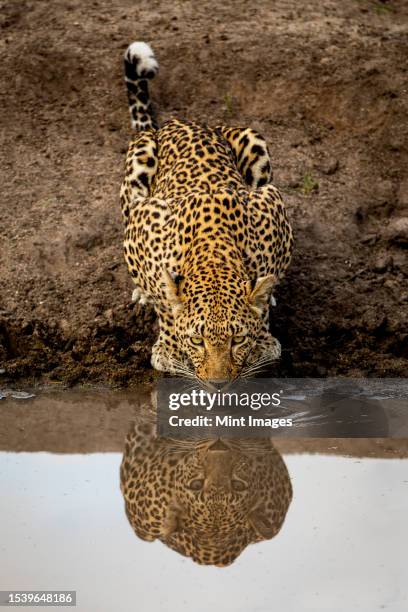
(106, 277)
(382, 263)
(109, 315)
(392, 286)
(88, 241)
(293, 183)
(369, 239)
(397, 231)
(382, 196)
(15, 394)
(372, 67)
(21, 395)
(402, 196)
(399, 262)
(374, 321)
(65, 327)
(396, 142)
(329, 165)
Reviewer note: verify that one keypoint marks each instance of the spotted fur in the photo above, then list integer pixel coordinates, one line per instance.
(206, 500)
(206, 238)
(140, 65)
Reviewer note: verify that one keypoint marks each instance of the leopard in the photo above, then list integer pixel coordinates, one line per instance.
(206, 499)
(206, 239)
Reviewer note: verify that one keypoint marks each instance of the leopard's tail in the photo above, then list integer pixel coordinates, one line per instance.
(140, 66)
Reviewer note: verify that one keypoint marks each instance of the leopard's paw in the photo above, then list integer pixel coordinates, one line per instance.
(159, 359)
(140, 298)
(136, 294)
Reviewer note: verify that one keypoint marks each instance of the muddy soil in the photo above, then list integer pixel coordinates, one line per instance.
(325, 82)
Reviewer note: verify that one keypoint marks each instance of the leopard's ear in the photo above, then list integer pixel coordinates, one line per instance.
(258, 296)
(170, 283)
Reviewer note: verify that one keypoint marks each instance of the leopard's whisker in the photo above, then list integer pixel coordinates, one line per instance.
(254, 369)
(262, 361)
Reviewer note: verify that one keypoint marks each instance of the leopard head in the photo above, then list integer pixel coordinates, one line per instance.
(206, 500)
(220, 322)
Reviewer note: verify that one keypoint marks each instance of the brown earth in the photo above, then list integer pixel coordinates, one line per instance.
(324, 81)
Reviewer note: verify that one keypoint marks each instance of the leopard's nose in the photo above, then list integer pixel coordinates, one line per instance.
(218, 445)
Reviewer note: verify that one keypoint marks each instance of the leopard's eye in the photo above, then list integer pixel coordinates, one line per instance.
(197, 484)
(197, 340)
(239, 485)
(238, 339)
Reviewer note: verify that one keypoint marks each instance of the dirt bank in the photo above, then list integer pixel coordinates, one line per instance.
(325, 82)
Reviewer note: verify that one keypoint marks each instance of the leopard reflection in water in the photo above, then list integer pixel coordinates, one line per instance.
(206, 499)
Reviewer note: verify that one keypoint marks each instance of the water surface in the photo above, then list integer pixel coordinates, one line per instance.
(63, 526)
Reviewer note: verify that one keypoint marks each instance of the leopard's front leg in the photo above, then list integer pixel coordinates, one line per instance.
(166, 356)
